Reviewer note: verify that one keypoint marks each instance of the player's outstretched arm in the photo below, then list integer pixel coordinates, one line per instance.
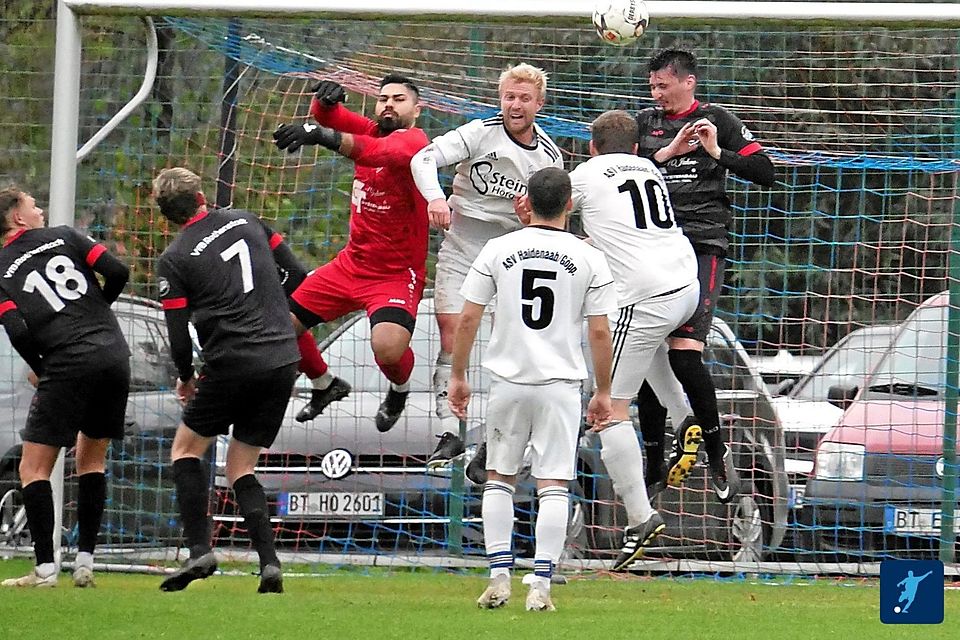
(20, 336)
(395, 150)
(327, 109)
(425, 170)
(458, 390)
(290, 137)
(601, 351)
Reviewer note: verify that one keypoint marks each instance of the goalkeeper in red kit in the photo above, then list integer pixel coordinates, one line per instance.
(382, 268)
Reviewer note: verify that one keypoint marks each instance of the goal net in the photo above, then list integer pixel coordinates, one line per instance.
(861, 122)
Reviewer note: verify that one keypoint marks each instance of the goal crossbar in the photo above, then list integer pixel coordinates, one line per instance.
(441, 9)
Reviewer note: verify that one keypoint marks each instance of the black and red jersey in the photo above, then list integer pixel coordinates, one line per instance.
(47, 276)
(697, 182)
(221, 268)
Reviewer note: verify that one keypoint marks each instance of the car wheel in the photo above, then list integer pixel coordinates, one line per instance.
(13, 524)
(577, 544)
(749, 534)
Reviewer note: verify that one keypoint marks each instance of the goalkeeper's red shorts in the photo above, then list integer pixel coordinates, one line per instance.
(333, 290)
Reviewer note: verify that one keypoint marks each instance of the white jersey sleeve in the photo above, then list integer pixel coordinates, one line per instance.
(423, 168)
(601, 298)
(625, 209)
(456, 145)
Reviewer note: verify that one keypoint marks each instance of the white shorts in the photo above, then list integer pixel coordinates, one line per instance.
(638, 331)
(547, 416)
(461, 245)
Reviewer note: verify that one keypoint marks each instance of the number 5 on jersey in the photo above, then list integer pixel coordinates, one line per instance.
(60, 270)
(241, 251)
(530, 292)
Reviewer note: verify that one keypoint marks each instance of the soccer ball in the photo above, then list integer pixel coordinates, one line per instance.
(620, 21)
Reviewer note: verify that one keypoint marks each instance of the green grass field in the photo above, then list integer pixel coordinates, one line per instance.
(378, 605)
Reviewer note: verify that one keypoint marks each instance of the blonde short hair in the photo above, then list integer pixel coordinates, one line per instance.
(175, 190)
(524, 72)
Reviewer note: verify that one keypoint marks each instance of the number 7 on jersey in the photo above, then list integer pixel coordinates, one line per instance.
(241, 251)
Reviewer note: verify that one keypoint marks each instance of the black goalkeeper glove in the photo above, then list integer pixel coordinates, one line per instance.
(293, 136)
(329, 93)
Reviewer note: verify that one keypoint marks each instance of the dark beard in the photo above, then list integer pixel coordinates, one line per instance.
(389, 125)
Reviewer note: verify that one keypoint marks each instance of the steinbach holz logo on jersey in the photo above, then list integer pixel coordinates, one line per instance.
(487, 181)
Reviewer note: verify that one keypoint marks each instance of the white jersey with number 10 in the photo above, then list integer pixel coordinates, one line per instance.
(626, 211)
(545, 281)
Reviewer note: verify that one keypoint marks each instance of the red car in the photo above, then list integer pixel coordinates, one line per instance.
(877, 481)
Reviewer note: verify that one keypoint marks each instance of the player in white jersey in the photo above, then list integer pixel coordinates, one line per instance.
(546, 281)
(626, 212)
(494, 157)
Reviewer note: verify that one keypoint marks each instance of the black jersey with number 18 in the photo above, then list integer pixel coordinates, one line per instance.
(46, 275)
(221, 268)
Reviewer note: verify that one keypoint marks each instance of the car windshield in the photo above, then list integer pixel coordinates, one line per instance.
(847, 363)
(351, 358)
(151, 367)
(917, 362)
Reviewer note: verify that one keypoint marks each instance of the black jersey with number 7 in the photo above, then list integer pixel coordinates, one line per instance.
(221, 268)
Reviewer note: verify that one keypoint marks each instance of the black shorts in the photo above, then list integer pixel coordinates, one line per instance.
(710, 272)
(94, 404)
(254, 405)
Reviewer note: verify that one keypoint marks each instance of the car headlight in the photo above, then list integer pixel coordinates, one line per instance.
(839, 461)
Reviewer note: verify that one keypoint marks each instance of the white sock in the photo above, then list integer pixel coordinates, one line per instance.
(552, 512)
(665, 384)
(45, 570)
(400, 388)
(323, 381)
(441, 380)
(497, 512)
(84, 559)
(620, 451)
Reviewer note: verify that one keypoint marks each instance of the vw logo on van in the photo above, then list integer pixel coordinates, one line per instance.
(336, 463)
(940, 463)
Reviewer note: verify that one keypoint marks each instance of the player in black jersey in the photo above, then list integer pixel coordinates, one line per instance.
(694, 145)
(221, 271)
(59, 320)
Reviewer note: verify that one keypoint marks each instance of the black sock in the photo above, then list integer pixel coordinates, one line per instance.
(91, 496)
(688, 366)
(193, 498)
(38, 503)
(653, 420)
(256, 517)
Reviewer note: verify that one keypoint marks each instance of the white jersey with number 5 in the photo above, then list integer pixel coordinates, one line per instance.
(545, 281)
(626, 211)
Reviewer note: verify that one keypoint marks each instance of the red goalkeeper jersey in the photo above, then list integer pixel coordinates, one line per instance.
(388, 216)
